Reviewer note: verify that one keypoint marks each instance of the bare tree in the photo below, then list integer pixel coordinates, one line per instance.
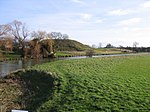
(58, 35)
(35, 48)
(65, 36)
(93, 46)
(100, 45)
(7, 43)
(20, 33)
(4, 29)
(47, 45)
(50, 43)
(90, 52)
(36, 43)
(38, 35)
(43, 42)
(135, 44)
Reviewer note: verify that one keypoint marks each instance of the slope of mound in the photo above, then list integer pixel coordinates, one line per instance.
(69, 45)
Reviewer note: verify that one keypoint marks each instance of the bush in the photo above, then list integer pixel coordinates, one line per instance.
(1, 55)
(89, 52)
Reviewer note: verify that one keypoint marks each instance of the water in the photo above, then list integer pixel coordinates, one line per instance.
(9, 66)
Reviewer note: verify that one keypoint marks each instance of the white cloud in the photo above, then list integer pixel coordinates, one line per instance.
(78, 1)
(146, 4)
(99, 21)
(119, 12)
(86, 17)
(130, 22)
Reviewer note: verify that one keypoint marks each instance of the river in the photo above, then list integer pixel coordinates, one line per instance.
(10, 66)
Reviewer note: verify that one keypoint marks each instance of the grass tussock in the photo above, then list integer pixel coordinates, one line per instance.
(26, 89)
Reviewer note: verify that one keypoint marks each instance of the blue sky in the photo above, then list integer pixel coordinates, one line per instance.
(119, 22)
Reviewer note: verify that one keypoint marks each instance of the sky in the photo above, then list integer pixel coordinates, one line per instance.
(118, 22)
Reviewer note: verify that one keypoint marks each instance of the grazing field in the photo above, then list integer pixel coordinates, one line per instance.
(118, 84)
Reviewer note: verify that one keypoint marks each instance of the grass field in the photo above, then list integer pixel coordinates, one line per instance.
(70, 53)
(118, 84)
(96, 51)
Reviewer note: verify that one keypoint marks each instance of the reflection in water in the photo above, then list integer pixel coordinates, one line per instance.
(7, 67)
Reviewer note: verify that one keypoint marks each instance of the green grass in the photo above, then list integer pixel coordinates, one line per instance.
(70, 53)
(62, 54)
(110, 51)
(118, 84)
(12, 56)
(9, 56)
(69, 45)
(97, 51)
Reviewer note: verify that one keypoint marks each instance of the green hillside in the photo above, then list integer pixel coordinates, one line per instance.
(69, 45)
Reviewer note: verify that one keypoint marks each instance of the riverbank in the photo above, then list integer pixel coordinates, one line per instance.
(26, 89)
(9, 66)
(9, 56)
(91, 84)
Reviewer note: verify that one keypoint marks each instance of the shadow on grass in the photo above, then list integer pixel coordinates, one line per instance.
(37, 87)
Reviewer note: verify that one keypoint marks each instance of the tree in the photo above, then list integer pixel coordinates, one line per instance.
(4, 29)
(44, 37)
(90, 52)
(135, 44)
(93, 46)
(42, 43)
(58, 35)
(7, 44)
(50, 43)
(121, 47)
(39, 35)
(35, 48)
(109, 46)
(6, 39)
(20, 33)
(36, 43)
(65, 36)
(100, 45)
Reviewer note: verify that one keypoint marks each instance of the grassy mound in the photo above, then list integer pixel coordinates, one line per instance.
(26, 89)
(94, 84)
(69, 45)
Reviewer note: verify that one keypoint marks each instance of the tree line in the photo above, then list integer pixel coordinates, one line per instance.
(35, 44)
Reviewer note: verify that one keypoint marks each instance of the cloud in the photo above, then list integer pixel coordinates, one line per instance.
(130, 22)
(86, 16)
(146, 4)
(99, 21)
(78, 1)
(118, 12)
